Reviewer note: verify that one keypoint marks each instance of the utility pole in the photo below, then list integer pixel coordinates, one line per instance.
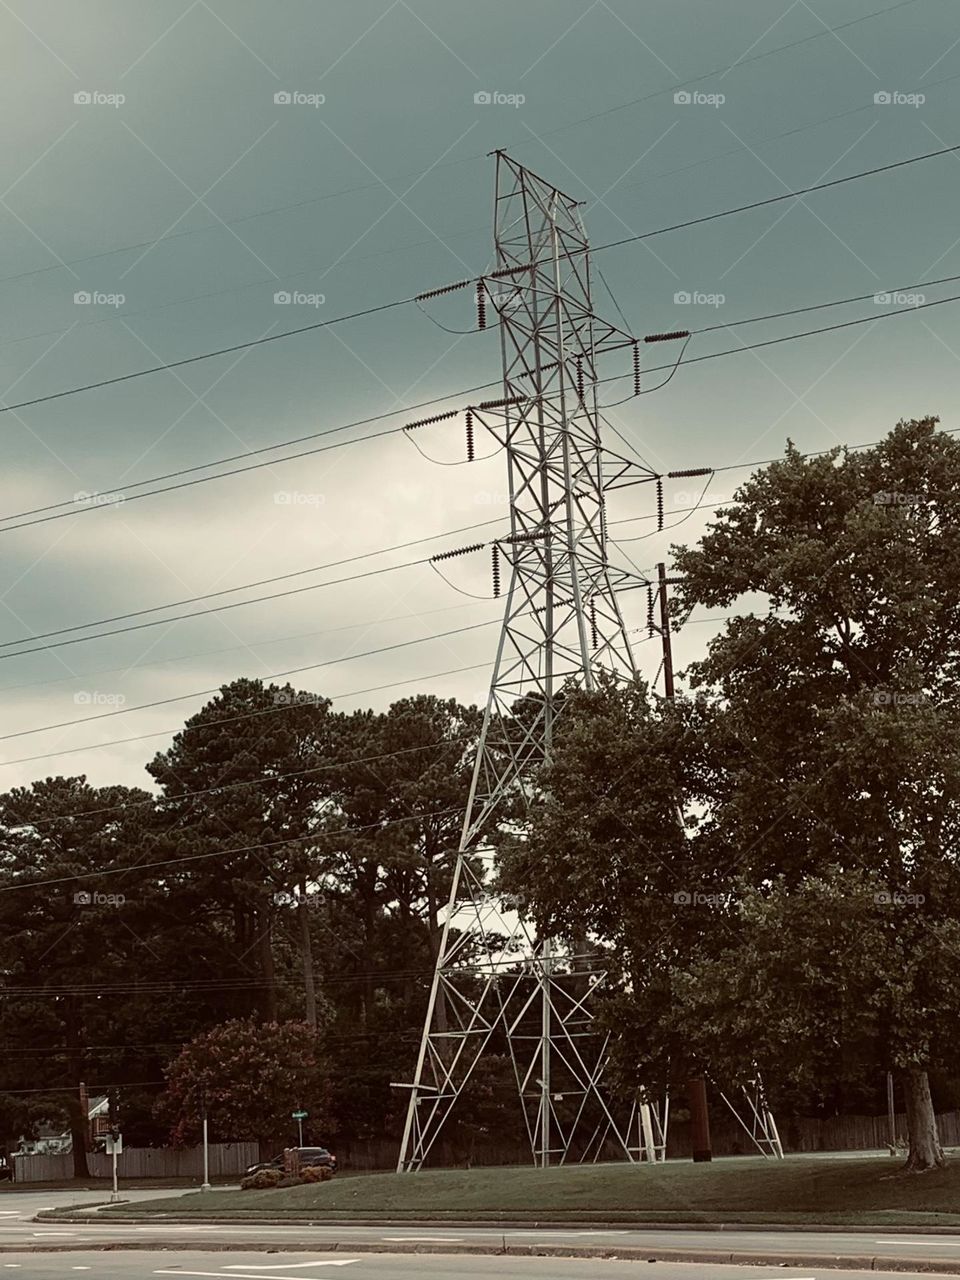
(562, 623)
(205, 1185)
(697, 1085)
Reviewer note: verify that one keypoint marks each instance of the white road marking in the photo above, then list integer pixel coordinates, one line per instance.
(11, 1213)
(57, 1235)
(79, 1268)
(171, 1227)
(541, 1234)
(431, 1239)
(251, 1275)
(950, 1244)
(289, 1266)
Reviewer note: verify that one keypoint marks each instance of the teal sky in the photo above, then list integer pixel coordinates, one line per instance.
(198, 197)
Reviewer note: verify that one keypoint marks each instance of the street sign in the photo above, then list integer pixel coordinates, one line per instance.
(114, 1145)
(299, 1115)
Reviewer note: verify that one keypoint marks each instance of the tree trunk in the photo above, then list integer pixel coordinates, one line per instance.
(265, 942)
(306, 952)
(77, 1103)
(925, 1150)
(435, 936)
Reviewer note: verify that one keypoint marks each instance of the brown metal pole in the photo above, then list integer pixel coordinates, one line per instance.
(665, 632)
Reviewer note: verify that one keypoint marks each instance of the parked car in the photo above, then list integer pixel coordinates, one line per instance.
(310, 1157)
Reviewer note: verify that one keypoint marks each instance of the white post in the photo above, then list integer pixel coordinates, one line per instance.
(115, 1194)
(205, 1185)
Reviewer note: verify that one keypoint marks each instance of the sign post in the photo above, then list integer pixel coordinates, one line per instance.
(114, 1145)
(299, 1116)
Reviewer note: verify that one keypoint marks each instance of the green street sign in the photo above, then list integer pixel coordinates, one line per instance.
(299, 1115)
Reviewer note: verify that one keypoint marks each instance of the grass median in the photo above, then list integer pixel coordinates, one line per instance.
(868, 1192)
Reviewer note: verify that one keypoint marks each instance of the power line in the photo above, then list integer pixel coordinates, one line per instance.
(806, 333)
(272, 281)
(408, 564)
(656, 368)
(159, 800)
(200, 613)
(821, 306)
(208, 355)
(161, 733)
(401, 302)
(260, 582)
(247, 646)
(276, 675)
(480, 155)
(313, 838)
(786, 195)
(69, 507)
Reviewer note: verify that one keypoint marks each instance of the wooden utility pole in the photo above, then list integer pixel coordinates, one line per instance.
(697, 1086)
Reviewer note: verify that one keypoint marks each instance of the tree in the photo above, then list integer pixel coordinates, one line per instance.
(260, 759)
(250, 1076)
(822, 741)
(842, 696)
(820, 981)
(70, 925)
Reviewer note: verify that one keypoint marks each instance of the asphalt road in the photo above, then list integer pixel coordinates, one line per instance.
(302, 1266)
(186, 1255)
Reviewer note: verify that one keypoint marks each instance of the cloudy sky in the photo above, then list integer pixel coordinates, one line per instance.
(150, 168)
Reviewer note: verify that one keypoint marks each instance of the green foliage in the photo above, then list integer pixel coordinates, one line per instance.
(250, 1076)
(816, 765)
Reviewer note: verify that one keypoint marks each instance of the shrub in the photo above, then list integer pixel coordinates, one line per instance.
(262, 1180)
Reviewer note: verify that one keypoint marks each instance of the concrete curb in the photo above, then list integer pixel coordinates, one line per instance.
(716, 1257)
(90, 1213)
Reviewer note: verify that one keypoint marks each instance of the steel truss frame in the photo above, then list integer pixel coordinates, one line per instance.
(562, 622)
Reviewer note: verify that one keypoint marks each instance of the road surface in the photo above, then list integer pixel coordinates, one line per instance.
(187, 1256)
(190, 1264)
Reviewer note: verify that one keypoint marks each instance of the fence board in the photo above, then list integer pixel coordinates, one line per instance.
(227, 1159)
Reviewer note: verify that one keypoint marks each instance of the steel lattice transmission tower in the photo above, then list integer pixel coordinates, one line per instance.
(562, 622)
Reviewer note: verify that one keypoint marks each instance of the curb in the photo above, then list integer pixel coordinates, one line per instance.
(716, 1257)
(89, 1213)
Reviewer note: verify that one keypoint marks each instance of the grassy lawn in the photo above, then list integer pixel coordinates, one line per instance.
(841, 1192)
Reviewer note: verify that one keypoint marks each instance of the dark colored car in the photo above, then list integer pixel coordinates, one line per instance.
(310, 1157)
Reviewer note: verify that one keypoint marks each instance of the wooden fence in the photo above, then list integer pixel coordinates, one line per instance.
(230, 1159)
(227, 1159)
